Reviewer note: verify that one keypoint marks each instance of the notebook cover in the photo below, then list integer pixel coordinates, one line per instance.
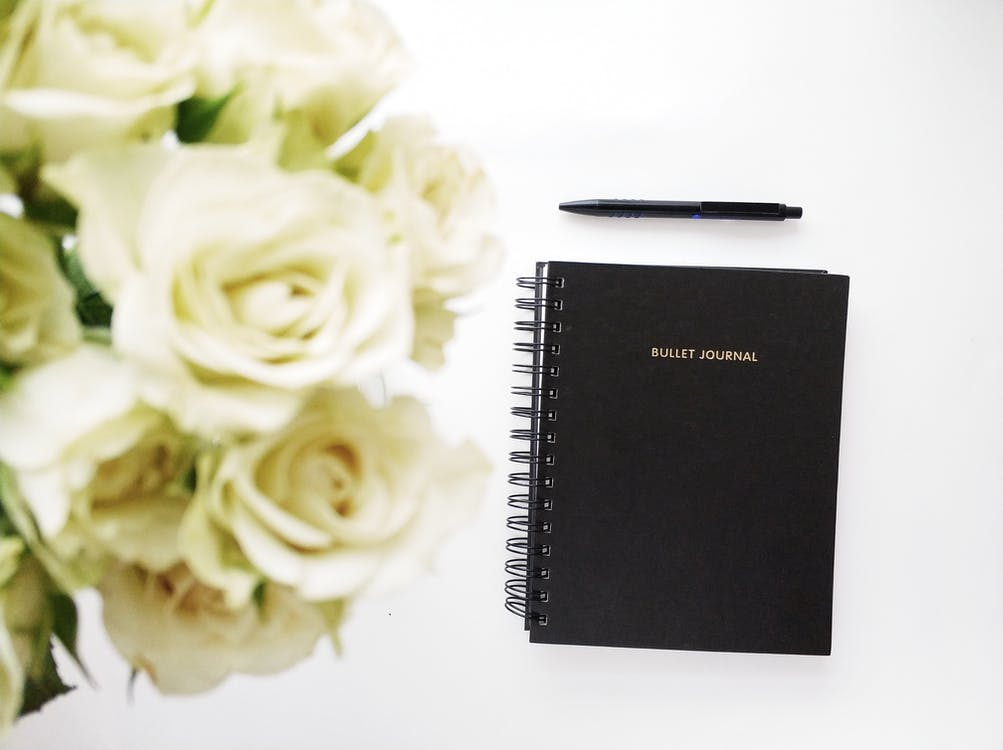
(695, 458)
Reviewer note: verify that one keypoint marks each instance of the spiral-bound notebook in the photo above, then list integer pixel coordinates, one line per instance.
(677, 486)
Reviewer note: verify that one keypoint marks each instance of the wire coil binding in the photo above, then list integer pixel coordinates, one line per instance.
(524, 591)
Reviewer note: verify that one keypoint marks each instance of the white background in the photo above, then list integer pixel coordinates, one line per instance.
(882, 119)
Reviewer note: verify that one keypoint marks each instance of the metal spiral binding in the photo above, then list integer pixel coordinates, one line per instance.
(533, 524)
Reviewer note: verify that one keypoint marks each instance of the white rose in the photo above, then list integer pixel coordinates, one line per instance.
(182, 634)
(346, 499)
(37, 320)
(237, 287)
(98, 473)
(22, 608)
(437, 199)
(304, 71)
(434, 324)
(438, 204)
(84, 73)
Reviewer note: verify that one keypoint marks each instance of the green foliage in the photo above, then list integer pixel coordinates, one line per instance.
(7, 527)
(92, 309)
(58, 621)
(6, 375)
(259, 598)
(23, 165)
(8, 514)
(190, 479)
(54, 213)
(196, 116)
(64, 626)
(7, 182)
(43, 683)
(8, 489)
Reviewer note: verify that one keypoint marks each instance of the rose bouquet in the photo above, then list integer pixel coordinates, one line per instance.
(205, 262)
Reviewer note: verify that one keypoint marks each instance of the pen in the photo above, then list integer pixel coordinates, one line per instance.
(635, 209)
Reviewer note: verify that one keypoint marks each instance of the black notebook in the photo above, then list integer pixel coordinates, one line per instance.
(677, 486)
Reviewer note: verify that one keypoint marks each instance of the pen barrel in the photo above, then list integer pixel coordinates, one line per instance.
(635, 209)
(746, 211)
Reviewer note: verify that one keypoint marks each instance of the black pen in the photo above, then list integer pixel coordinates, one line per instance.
(635, 209)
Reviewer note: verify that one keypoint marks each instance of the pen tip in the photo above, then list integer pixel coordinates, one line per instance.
(578, 207)
(792, 212)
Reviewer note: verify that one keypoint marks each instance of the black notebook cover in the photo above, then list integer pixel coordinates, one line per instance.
(681, 462)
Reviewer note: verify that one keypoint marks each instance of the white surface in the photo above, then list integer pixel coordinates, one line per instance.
(882, 119)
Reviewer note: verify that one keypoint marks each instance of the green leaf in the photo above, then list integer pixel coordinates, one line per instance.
(7, 527)
(64, 620)
(53, 212)
(197, 115)
(43, 684)
(6, 375)
(64, 627)
(92, 309)
(258, 597)
(72, 269)
(21, 168)
(24, 163)
(7, 182)
(14, 512)
(190, 479)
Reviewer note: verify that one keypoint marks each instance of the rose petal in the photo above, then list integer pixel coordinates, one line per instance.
(54, 404)
(109, 187)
